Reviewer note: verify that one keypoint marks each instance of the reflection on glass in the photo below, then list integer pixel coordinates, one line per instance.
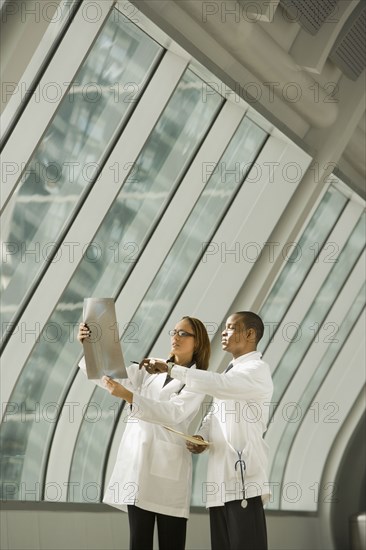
(300, 261)
(103, 270)
(66, 160)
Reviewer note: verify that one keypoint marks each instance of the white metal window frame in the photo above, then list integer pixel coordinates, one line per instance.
(348, 371)
(294, 392)
(315, 279)
(40, 109)
(203, 299)
(66, 434)
(247, 298)
(215, 275)
(335, 457)
(251, 296)
(55, 27)
(149, 262)
(91, 214)
(266, 199)
(179, 209)
(297, 312)
(288, 230)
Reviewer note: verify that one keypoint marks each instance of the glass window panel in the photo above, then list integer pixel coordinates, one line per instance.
(85, 479)
(198, 229)
(298, 265)
(154, 179)
(199, 474)
(27, 66)
(305, 401)
(175, 272)
(103, 270)
(63, 167)
(141, 202)
(318, 311)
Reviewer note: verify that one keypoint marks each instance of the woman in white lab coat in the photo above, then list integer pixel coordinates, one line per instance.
(153, 471)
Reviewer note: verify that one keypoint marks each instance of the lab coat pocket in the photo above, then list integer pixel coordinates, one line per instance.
(166, 460)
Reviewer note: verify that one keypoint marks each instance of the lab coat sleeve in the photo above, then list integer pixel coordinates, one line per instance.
(204, 430)
(178, 409)
(244, 382)
(132, 383)
(136, 377)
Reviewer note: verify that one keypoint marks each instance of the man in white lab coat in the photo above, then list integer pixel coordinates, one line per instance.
(237, 484)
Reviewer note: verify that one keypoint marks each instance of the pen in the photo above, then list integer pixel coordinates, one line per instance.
(136, 362)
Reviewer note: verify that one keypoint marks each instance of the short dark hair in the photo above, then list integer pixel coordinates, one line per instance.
(252, 320)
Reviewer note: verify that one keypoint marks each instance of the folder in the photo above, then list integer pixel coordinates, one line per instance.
(190, 438)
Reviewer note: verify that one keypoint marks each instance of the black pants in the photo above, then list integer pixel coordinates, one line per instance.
(171, 530)
(236, 528)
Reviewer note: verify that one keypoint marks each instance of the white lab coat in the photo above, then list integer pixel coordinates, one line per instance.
(153, 468)
(236, 421)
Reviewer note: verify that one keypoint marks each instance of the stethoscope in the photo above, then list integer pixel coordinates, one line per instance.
(241, 463)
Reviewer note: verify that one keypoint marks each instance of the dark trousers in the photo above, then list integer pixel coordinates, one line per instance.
(236, 528)
(171, 530)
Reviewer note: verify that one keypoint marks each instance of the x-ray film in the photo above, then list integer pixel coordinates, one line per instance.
(102, 349)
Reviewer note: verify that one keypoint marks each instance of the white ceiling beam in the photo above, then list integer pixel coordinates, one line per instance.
(260, 10)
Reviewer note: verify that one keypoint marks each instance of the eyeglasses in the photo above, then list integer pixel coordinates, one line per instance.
(181, 333)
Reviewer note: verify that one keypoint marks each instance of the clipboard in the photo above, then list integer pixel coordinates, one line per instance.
(188, 437)
(102, 349)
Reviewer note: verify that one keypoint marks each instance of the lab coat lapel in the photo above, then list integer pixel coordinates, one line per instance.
(229, 426)
(231, 429)
(174, 386)
(149, 380)
(171, 387)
